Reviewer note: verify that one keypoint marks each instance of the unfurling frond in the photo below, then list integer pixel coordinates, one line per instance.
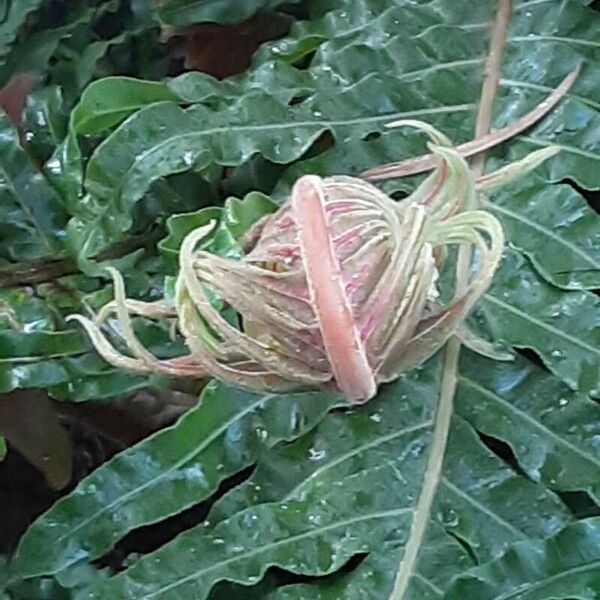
(337, 289)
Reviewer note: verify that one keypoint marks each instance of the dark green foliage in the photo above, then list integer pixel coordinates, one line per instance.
(117, 172)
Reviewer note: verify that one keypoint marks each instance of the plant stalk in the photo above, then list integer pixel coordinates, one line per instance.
(449, 374)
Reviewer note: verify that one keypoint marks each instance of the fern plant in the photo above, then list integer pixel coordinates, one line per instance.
(467, 476)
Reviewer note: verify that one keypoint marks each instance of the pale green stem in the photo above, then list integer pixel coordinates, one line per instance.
(443, 418)
(431, 478)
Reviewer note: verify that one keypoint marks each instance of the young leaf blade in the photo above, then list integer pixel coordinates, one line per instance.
(566, 565)
(164, 474)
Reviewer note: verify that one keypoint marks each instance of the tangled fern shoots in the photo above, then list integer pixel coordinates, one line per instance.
(338, 289)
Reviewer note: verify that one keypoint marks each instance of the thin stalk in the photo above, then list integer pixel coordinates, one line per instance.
(449, 374)
(477, 145)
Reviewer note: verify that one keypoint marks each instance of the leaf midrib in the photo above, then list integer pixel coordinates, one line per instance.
(39, 357)
(305, 534)
(529, 587)
(374, 443)
(527, 417)
(543, 325)
(28, 212)
(519, 217)
(330, 123)
(121, 499)
(240, 128)
(455, 489)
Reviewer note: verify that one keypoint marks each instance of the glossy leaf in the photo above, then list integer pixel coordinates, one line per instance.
(30, 203)
(552, 430)
(13, 18)
(564, 566)
(348, 487)
(34, 50)
(164, 474)
(555, 227)
(39, 351)
(337, 502)
(45, 121)
(108, 101)
(353, 508)
(166, 139)
(563, 328)
(474, 504)
(234, 219)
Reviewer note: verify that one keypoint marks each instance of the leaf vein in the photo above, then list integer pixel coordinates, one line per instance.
(518, 217)
(482, 508)
(305, 534)
(553, 38)
(434, 588)
(565, 147)
(527, 417)
(541, 324)
(553, 578)
(355, 451)
(205, 443)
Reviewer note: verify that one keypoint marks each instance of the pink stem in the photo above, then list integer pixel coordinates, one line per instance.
(341, 339)
(485, 142)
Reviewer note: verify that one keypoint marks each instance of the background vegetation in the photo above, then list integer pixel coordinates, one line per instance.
(141, 117)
